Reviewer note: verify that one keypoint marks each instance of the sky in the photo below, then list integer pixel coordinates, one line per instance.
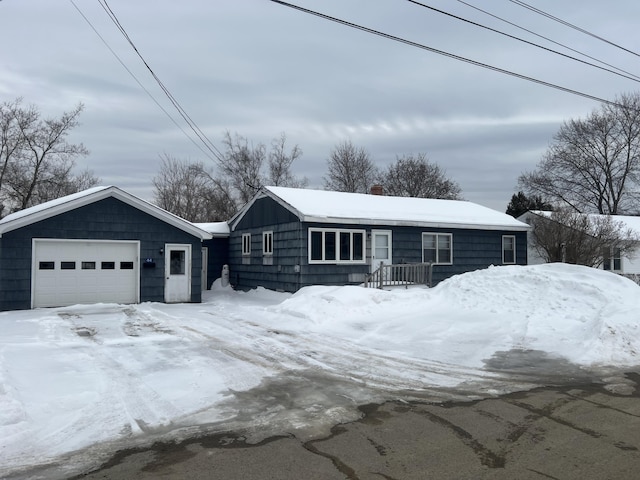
(79, 382)
(259, 69)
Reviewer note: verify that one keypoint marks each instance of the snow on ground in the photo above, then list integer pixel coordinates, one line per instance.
(78, 382)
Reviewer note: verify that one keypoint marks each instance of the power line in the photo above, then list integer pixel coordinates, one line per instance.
(446, 54)
(194, 127)
(546, 38)
(513, 37)
(570, 25)
(137, 80)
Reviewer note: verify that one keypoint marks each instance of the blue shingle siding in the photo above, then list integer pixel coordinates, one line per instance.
(107, 219)
(218, 250)
(472, 250)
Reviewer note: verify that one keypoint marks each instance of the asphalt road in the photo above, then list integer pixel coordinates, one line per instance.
(584, 431)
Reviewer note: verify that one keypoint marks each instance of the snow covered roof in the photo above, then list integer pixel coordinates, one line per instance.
(217, 229)
(628, 221)
(70, 202)
(356, 208)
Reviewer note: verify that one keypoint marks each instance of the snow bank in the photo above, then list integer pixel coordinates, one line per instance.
(78, 376)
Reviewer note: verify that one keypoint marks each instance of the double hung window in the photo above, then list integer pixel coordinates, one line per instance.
(611, 259)
(437, 248)
(508, 249)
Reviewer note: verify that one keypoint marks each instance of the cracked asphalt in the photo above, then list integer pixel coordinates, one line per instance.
(575, 431)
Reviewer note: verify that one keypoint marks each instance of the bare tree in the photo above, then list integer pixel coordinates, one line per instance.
(198, 194)
(414, 176)
(565, 235)
(593, 164)
(242, 166)
(350, 169)
(280, 162)
(36, 160)
(188, 190)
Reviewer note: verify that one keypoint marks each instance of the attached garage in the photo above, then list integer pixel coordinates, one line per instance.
(102, 245)
(66, 272)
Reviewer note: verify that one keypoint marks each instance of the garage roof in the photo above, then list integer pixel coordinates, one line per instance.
(76, 200)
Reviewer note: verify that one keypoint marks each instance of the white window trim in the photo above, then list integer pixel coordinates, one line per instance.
(438, 234)
(246, 244)
(267, 242)
(504, 237)
(337, 232)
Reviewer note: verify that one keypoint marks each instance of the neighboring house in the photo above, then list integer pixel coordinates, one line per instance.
(613, 261)
(99, 245)
(287, 238)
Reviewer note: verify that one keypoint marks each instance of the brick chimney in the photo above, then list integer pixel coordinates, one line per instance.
(377, 189)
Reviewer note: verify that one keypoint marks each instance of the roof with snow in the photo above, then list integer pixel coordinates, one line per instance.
(70, 202)
(355, 208)
(627, 221)
(217, 229)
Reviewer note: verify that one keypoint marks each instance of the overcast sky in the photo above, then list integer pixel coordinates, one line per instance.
(259, 69)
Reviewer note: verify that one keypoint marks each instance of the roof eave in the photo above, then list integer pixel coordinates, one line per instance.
(107, 192)
(407, 223)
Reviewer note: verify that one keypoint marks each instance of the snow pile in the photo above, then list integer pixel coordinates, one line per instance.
(78, 376)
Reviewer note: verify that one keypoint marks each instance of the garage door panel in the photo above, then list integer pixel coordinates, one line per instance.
(67, 272)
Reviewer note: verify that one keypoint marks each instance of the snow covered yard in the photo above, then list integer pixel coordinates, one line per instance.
(78, 382)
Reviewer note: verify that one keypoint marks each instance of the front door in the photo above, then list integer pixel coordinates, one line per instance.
(380, 248)
(177, 261)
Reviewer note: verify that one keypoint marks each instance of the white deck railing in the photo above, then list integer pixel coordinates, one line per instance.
(400, 274)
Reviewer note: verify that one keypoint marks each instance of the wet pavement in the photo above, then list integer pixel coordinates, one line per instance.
(573, 431)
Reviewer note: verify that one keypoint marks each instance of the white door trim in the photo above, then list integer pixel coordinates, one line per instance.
(375, 262)
(205, 267)
(177, 287)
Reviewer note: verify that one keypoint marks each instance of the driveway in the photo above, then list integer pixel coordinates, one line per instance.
(586, 431)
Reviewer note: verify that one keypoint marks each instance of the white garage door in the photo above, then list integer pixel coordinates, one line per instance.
(66, 272)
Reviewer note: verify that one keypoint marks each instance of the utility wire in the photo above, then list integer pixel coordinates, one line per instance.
(194, 127)
(446, 54)
(547, 38)
(137, 80)
(513, 37)
(564, 22)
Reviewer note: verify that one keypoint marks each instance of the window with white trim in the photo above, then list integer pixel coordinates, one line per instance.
(246, 244)
(612, 260)
(437, 248)
(336, 245)
(508, 249)
(267, 243)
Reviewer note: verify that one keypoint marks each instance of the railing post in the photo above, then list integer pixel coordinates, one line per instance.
(380, 275)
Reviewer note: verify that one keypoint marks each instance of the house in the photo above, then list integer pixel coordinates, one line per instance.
(628, 264)
(287, 238)
(100, 245)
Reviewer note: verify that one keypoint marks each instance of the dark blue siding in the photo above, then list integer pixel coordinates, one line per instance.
(108, 219)
(218, 250)
(472, 250)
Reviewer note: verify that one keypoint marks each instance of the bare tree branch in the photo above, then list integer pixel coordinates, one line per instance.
(350, 169)
(414, 176)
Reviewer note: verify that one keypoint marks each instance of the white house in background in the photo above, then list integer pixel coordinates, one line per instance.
(629, 264)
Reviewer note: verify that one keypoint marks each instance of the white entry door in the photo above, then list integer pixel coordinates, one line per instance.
(177, 269)
(380, 248)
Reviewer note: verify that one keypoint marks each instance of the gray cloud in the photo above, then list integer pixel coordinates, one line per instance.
(259, 69)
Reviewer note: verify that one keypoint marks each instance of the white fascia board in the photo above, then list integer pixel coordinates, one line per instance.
(58, 207)
(400, 223)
